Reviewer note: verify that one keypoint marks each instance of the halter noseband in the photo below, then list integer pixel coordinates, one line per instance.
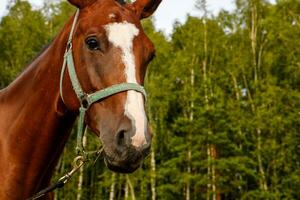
(86, 100)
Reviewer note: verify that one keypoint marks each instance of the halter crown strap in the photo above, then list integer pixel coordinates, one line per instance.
(69, 46)
(86, 100)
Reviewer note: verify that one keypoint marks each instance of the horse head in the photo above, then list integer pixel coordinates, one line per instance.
(109, 47)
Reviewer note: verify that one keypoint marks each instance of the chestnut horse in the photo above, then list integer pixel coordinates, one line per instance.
(38, 109)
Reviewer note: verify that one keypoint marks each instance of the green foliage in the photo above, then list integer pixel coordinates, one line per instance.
(224, 103)
(23, 33)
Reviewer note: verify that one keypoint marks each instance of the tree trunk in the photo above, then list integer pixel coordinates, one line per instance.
(211, 149)
(126, 191)
(112, 187)
(240, 133)
(262, 180)
(188, 185)
(191, 118)
(253, 37)
(208, 174)
(130, 187)
(153, 174)
(80, 178)
(204, 69)
(238, 98)
(256, 60)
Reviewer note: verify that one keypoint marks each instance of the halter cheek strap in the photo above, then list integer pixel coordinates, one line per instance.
(86, 100)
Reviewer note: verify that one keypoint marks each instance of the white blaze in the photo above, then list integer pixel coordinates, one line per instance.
(121, 35)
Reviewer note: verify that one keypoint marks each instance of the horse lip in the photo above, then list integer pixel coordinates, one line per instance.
(122, 166)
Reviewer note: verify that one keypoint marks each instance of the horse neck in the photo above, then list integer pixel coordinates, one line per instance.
(34, 123)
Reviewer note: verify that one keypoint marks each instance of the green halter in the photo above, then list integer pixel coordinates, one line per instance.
(86, 100)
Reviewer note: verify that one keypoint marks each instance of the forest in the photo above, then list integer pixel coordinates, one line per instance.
(224, 104)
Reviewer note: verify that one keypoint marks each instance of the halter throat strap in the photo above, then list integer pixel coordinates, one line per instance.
(86, 100)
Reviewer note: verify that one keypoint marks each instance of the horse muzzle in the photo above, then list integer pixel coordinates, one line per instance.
(126, 159)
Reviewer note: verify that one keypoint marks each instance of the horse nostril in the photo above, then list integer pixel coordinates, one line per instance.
(121, 138)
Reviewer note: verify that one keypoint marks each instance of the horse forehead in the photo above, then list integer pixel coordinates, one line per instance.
(109, 11)
(121, 34)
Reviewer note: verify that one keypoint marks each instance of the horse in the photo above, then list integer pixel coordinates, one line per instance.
(105, 49)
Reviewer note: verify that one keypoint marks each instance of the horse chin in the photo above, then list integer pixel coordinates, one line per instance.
(126, 166)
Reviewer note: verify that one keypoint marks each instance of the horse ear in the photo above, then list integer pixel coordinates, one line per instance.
(145, 8)
(81, 3)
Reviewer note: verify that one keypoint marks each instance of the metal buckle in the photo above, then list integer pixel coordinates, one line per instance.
(84, 102)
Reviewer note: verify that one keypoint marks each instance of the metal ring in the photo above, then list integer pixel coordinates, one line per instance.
(78, 161)
(84, 102)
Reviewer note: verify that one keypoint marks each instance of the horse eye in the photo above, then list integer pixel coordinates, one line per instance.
(92, 43)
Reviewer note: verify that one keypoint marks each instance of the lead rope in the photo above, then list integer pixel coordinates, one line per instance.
(78, 162)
